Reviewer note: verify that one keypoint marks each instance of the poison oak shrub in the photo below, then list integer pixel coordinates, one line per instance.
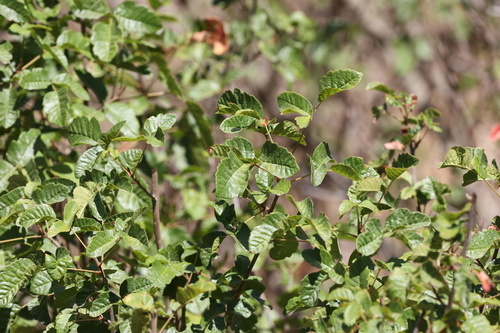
(89, 243)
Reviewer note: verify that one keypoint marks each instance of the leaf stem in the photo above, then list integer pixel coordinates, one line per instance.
(156, 210)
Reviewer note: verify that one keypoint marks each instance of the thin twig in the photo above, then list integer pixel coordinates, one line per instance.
(156, 210)
(56, 243)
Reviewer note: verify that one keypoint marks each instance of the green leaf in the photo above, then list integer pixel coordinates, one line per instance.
(105, 38)
(168, 79)
(404, 219)
(261, 237)
(51, 193)
(321, 157)
(305, 207)
(76, 41)
(83, 131)
(5, 52)
(477, 323)
(337, 81)
(461, 157)
(322, 227)
(8, 113)
(310, 287)
(369, 241)
(236, 124)
(36, 79)
(352, 313)
(284, 249)
(14, 10)
(481, 243)
(6, 170)
(90, 9)
(14, 277)
(102, 303)
(244, 147)
(380, 87)
(400, 165)
(231, 102)
(101, 243)
(35, 214)
(134, 18)
(56, 106)
(281, 188)
(129, 159)
(86, 224)
(75, 87)
(163, 274)
(117, 112)
(57, 266)
(183, 295)
(21, 151)
(370, 184)
(140, 300)
(290, 102)
(87, 161)
(346, 171)
(136, 238)
(277, 160)
(41, 283)
(231, 177)
(154, 127)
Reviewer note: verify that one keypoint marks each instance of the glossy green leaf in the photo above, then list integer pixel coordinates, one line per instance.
(57, 266)
(310, 287)
(56, 106)
(161, 121)
(281, 188)
(346, 171)
(76, 41)
(231, 102)
(136, 237)
(87, 161)
(136, 18)
(140, 300)
(244, 146)
(352, 313)
(236, 124)
(13, 277)
(290, 102)
(322, 227)
(162, 274)
(102, 303)
(277, 160)
(5, 52)
(477, 323)
(105, 38)
(183, 295)
(261, 237)
(404, 219)
(6, 170)
(8, 112)
(129, 159)
(90, 9)
(86, 224)
(379, 86)
(481, 242)
(75, 87)
(400, 165)
(101, 243)
(21, 151)
(117, 112)
(336, 81)
(231, 177)
(14, 10)
(370, 240)
(304, 207)
(285, 248)
(36, 79)
(50, 194)
(319, 160)
(41, 283)
(84, 131)
(36, 214)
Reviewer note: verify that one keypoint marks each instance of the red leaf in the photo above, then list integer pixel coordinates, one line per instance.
(495, 133)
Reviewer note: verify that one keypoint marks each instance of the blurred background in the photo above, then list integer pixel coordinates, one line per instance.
(444, 51)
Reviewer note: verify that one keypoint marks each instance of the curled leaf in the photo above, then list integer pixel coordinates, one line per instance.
(214, 34)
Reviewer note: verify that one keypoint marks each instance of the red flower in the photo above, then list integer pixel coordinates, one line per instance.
(495, 133)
